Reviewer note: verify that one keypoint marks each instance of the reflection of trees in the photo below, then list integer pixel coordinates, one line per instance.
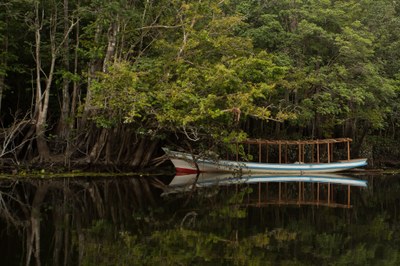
(56, 212)
(217, 228)
(102, 222)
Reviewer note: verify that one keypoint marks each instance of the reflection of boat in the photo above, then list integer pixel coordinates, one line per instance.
(210, 179)
(274, 189)
(184, 163)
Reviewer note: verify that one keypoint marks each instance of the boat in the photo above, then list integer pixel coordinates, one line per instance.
(188, 163)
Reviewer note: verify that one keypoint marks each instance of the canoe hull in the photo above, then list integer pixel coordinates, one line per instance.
(184, 163)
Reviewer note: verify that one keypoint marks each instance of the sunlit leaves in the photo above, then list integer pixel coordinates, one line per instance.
(118, 96)
(203, 72)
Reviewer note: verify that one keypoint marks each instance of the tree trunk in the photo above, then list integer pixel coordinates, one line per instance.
(3, 66)
(112, 41)
(98, 146)
(63, 128)
(41, 103)
(2, 87)
(359, 141)
(74, 100)
(138, 154)
(149, 152)
(93, 67)
(43, 97)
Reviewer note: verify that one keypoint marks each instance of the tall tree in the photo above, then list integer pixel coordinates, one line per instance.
(45, 23)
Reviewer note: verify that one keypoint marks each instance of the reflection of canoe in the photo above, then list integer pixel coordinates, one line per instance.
(183, 182)
(318, 190)
(184, 163)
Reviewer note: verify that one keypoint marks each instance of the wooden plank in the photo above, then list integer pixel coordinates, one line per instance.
(296, 142)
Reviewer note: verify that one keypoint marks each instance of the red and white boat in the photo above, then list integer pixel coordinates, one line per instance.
(186, 163)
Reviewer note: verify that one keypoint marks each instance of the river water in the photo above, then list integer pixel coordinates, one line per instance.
(200, 220)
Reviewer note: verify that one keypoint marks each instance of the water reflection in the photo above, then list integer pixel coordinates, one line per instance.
(201, 220)
(320, 190)
(50, 216)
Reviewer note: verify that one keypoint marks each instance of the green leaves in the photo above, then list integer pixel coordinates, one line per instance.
(118, 95)
(202, 76)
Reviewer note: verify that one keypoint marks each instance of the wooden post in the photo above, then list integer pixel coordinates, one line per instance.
(317, 152)
(280, 153)
(348, 196)
(332, 152)
(267, 152)
(259, 193)
(303, 153)
(329, 153)
(299, 153)
(348, 150)
(317, 194)
(312, 153)
(259, 152)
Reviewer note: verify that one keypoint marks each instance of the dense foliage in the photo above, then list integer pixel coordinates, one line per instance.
(91, 78)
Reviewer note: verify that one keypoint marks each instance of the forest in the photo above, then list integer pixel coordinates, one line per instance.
(109, 82)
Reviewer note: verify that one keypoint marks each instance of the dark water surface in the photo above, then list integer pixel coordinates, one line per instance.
(317, 220)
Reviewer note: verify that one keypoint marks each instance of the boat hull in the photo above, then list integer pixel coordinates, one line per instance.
(184, 163)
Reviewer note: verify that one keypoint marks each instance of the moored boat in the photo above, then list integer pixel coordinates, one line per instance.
(188, 163)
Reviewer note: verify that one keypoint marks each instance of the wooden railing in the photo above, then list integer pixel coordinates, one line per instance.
(315, 148)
